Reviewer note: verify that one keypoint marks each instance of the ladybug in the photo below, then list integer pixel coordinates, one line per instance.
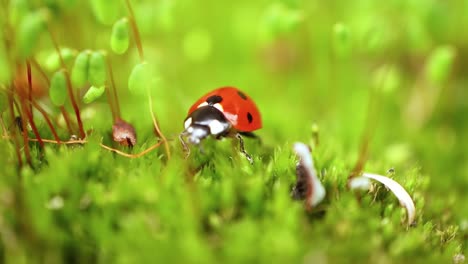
(223, 112)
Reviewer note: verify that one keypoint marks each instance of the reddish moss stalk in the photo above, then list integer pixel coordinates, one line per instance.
(13, 131)
(136, 33)
(67, 119)
(110, 96)
(111, 105)
(75, 106)
(4, 130)
(370, 126)
(137, 38)
(69, 86)
(47, 119)
(18, 109)
(114, 90)
(28, 67)
(27, 151)
(41, 71)
(26, 112)
(156, 126)
(31, 120)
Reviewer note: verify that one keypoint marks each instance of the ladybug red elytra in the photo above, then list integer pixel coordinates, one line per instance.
(224, 112)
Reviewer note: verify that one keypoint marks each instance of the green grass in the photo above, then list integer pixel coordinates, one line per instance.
(86, 204)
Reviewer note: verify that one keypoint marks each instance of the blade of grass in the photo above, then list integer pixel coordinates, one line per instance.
(156, 127)
(132, 156)
(69, 85)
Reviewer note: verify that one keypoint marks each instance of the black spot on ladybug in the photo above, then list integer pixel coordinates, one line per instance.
(249, 117)
(214, 99)
(242, 95)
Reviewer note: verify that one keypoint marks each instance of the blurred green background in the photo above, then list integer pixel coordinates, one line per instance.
(304, 63)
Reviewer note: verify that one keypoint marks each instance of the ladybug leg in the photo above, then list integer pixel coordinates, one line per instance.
(184, 144)
(242, 149)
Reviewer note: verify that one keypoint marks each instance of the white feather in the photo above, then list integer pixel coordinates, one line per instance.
(395, 187)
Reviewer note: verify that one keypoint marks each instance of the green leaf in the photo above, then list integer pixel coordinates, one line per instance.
(79, 74)
(93, 94)
(120, 36)
(440, 63)
(97, 69)
(106, 11)
(29, 31)
(141, 78)
(58, 88)
(52, 60)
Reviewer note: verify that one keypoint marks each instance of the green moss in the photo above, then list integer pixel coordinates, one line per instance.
(86, 204)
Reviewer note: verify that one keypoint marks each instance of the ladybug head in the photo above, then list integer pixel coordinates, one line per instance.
(195, 133)
(204, 121)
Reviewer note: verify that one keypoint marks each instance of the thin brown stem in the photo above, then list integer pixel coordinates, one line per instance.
(75, 105)
(136, 33)
(41, 71)
(156, 127)
(53, 141)
(132, 156)
(47, 119)
(114, 89)
(43, 113)
(28, 114)
(4, 129)
(28, 67)
(13, 131)
(68, 142)
(69, 86)
(368, 133)
(111, 104)
(18, 109)
(67, 119)
(27, 151)
(71, 142)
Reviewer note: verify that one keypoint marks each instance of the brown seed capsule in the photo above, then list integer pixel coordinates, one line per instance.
(124, 133)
